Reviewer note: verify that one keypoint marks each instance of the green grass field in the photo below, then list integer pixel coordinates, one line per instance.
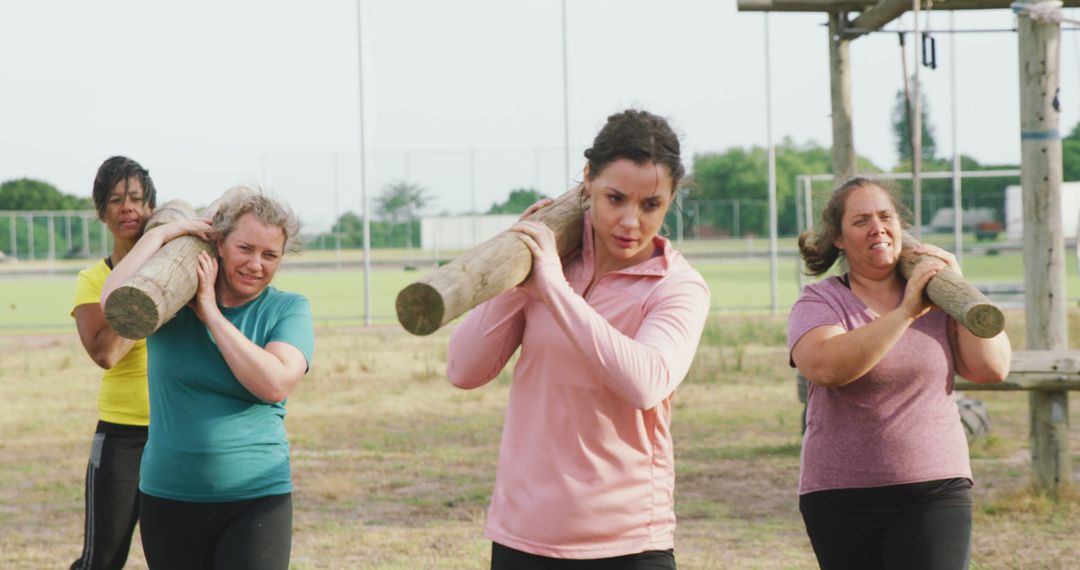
(337, 296)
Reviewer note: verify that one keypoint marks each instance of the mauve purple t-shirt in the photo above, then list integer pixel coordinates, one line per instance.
(896, 424)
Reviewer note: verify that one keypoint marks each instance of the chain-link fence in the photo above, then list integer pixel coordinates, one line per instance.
(47, 235)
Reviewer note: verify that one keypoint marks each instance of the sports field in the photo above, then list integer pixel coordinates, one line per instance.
(37, 302)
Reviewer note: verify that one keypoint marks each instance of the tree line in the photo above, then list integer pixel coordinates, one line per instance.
(725, 195)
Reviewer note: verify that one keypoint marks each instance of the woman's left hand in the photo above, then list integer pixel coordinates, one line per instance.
(540, 240)
(205, 301)
(947, 258)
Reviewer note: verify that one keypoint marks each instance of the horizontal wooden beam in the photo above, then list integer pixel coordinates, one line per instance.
(876, 16)
(1036, 370)
(861, 5)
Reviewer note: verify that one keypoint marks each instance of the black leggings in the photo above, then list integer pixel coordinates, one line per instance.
(506, 558)
(255, 534)
(112, 496)
(918, 525)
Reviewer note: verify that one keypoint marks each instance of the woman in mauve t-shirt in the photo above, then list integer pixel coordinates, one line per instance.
(885, 479)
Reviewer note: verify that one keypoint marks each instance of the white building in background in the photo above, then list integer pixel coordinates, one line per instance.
(1014, 211)
(461, 232)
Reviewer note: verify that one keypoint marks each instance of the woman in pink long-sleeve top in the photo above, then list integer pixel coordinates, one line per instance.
(586, 467)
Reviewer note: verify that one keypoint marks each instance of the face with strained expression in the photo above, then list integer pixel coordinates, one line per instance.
(871, 232)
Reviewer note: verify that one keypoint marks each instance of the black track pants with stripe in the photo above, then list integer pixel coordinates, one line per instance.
(112, 496)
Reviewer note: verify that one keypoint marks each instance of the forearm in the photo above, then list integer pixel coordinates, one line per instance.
(646, 368)
(144, 249)
(258, 370)
(482, 344)
(844, 358)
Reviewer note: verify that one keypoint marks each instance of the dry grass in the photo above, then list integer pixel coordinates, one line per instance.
(393, 467)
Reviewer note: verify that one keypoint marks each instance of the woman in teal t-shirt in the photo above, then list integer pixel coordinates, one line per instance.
(216, 488)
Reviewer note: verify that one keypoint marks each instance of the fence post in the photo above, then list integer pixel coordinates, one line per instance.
(30, 234)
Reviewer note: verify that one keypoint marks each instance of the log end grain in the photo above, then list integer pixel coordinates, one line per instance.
(420, 309)
(985, 320)
(131, 312)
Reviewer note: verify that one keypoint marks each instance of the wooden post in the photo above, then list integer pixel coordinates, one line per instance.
(843, 143)
(1044, 255)
(486, 270)
(954, 295)
(163, 285)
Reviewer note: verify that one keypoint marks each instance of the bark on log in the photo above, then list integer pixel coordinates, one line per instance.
(490, 268)
(954, 295)
(163, 285)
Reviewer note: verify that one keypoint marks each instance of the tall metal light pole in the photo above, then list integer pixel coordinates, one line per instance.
(958, 204)
(773, 285)
(363, 167)
(565, 103)
(916, 127)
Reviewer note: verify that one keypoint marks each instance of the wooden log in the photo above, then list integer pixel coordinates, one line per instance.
(163, 285)
(955, 295)
(1035, 370)
(490, 268)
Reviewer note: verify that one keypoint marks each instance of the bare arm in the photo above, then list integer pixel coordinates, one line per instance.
(147, 246)
(269, 373)
(103, 345)
(980, 360)
(831, 357)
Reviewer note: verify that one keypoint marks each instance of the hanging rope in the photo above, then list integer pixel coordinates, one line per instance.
(1046, 12)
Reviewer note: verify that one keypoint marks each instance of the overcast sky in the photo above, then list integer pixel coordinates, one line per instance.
(464, 97)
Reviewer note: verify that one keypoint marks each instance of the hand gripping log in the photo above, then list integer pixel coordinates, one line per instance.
(166, 281)
(492, 267)
(163, 285)
(955, 295)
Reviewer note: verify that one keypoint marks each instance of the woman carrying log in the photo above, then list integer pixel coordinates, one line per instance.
(216, 485)
(885, 479)
(124, 198)
(586, 463)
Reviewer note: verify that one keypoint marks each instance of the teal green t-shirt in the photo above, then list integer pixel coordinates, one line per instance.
(210, 439)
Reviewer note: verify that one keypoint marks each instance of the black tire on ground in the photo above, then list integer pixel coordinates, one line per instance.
(974, 416)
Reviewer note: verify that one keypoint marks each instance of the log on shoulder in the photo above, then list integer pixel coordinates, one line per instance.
(955, 295)
(492, 267)
(164, 283)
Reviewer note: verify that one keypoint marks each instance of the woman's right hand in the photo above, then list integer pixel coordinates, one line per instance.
(915, 303)
(541, 203)
(198, 227)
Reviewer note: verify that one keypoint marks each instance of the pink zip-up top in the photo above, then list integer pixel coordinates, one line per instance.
(586, 466)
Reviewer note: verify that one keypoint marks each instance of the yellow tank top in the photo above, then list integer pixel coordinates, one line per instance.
(123, 397)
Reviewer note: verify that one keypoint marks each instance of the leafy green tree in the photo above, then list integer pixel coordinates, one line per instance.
(901, 127)
(26, 194)
(30, 194)
(1070, 154)
(732, 187)
(399, 202)
(518, 200)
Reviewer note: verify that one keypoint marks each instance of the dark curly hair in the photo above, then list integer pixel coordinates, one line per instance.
(639, 136)
(117, 169)
(818, 248)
